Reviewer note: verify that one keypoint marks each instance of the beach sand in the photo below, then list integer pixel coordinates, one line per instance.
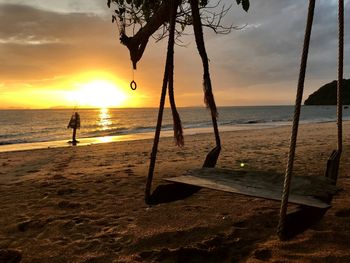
(86, 204)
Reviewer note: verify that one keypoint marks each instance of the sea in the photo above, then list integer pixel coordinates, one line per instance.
(33, 129)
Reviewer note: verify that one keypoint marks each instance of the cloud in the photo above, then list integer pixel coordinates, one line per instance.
(270, 52)
(64, 6)
(39, 43)
(27, 22)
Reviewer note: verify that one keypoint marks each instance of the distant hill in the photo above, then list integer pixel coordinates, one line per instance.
(327, 94)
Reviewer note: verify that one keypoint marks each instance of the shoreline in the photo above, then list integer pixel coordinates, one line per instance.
(128, 137)
(146, 136)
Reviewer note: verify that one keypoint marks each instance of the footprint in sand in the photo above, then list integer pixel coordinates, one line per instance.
(213, 242)
(343, 213)
(240, 224)
(80, 220)
(58, 177)
(35, 224)
(68, 225)
(10, 255)
(62, 165)
(78, 173)
(263, 254)
(103, 164)
(99, 181)
(129, 172)
(65, 191)
(67, 204)
(33, 171)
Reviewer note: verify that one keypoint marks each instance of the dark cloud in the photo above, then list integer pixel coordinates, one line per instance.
(24, 22)
(268, 49)
(38, 43)
(64, 6)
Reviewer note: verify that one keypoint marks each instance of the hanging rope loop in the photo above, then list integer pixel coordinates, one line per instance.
(133, 85)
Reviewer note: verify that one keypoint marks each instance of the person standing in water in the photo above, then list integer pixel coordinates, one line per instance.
(74, 124)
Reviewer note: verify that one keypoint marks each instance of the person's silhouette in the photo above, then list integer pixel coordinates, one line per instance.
(74, 124)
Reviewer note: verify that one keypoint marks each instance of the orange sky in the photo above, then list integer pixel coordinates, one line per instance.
(68, 54)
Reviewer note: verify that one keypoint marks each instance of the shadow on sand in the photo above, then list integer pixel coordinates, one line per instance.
(172, 192)
(302, 219)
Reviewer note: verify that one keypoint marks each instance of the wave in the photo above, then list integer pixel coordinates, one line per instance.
(166, 127)
(13, 142)
(252, 121)
(124, 131)
(142, 121)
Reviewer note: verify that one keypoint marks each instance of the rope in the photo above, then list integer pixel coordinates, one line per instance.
(208, 94)
(133, 85)
(177, 125)
(293, 140)
(340, 74)
(169, 61)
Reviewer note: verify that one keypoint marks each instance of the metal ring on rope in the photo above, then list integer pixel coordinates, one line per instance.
(133, 85)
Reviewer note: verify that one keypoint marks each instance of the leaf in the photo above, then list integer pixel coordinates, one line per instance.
(245, 4)
(203, 3)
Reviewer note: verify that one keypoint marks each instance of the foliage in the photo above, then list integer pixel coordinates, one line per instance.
(135, 8)
(135, 14)
(245, 4)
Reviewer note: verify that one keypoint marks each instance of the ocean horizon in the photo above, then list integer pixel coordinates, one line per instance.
(42, 128)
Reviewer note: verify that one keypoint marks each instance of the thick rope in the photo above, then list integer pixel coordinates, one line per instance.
(177, 126)
(169, 60)
(208, 94)
(340, 83)
(293, 140)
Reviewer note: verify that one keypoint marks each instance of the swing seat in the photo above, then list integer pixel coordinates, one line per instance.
(333, 166)
(311, 191)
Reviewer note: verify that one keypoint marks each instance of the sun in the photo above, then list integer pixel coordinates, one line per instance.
(99, 93)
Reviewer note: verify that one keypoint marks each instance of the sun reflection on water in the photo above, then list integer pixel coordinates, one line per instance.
(105, 139)
(104, 120)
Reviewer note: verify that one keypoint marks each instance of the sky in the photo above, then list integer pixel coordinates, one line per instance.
(66, 53)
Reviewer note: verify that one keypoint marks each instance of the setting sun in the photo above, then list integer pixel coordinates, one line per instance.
(98, 93)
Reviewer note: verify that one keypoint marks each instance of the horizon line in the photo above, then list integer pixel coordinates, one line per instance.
(150, 107)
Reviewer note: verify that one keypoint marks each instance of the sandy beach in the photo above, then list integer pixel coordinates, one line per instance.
(86, 204)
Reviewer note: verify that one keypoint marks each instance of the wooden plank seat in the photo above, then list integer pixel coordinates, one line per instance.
(333, 166)
(312, 191)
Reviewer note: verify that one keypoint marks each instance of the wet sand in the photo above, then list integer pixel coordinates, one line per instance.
(86, 204)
